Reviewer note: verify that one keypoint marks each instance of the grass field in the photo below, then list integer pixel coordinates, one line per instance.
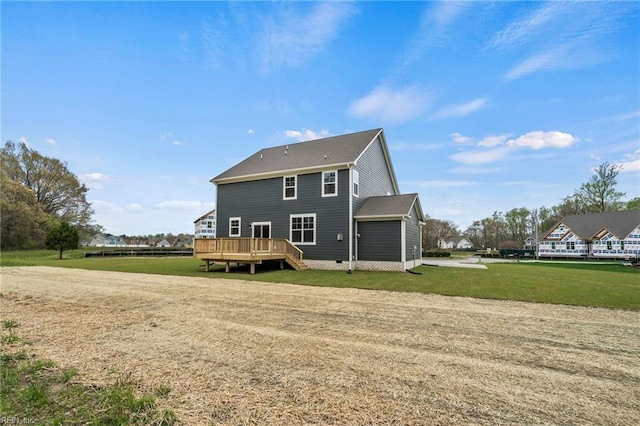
(163, 349)
(582, 284)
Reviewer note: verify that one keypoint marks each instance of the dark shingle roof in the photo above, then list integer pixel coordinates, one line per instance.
(387, 206)
(618, 223)
(336, 150)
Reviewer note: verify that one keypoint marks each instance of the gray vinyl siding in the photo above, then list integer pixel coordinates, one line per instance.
(412, 229)
(380, 241)
(375, 179)
(262, 201)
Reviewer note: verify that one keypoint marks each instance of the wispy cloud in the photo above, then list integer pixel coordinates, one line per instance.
(481, 156)
(50, 141)
(561, 35)
(391, 105)
(216, 40)
(433, 30)
(306, 134)
(134, 208)
(461, 110)
(534, 24)
(291, 37)
(106, 207)
(183, 206)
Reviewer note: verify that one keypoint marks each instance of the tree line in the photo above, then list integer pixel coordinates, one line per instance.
(512, 228)
(42, 204)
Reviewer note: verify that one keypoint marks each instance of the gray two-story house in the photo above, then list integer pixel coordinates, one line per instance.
(336, 199)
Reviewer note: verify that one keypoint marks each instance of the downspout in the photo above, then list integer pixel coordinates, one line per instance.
(350, 218)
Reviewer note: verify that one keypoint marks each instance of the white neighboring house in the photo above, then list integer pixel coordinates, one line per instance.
(456, 243)
(600, 235)
(102, 240)
(205, 225)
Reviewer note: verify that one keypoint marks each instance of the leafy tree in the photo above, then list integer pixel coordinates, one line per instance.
(23, 222)
(56, 189)
(632, 204)
(599, 194)
(435, 230)
(62, 236)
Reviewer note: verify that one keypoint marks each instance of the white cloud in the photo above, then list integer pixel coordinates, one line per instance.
(166, 135)
(539, 140)
(391, 106)
(184, 206)
(177, 143)
(461, 139)
(50, 141)
(134, 208)
(461, 110)
(481, 156)
(250, 131)
(491, 141)
(24, 140)
(306, 134)
(630, 166)
(293, 38)
(96, 180)
(106, 207)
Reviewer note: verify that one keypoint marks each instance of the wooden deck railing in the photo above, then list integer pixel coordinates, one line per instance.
(254, 247)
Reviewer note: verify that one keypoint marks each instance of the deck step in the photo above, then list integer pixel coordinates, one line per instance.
(296, 264)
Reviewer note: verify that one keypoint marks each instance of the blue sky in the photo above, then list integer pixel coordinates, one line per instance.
(487, 106)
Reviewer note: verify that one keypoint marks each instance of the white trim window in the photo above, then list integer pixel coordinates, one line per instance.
(356, 183)
(330, 183)
(290, 187)
(302, 229)
(235, 224)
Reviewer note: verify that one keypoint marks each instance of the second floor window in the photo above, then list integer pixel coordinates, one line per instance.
(290, 187)
(329, 184)
(356, 183)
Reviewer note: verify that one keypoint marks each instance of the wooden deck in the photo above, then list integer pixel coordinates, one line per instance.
(247, 250)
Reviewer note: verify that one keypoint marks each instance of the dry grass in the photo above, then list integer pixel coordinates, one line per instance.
(236, 352)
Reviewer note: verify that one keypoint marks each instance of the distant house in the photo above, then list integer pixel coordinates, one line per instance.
(205, 225)
(107, 240)
(600, 235)
(530, 243)
(336, 199)
(163, 243)
(456, 243)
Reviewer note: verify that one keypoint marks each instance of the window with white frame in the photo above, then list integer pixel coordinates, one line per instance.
(330, 183)
(356, 183)
(234, 226)
(303, 229)
(290, 185)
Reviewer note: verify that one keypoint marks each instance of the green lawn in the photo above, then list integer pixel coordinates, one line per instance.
(583, 284)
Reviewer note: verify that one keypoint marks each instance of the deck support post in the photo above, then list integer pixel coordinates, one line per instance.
(281, 264)
(252, 268)
(226, 268)
(206, 268)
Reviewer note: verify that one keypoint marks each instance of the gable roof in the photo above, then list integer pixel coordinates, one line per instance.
(389, 206)
(204, 216)
(332, 152)
(586, 226)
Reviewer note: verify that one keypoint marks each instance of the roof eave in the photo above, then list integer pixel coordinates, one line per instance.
(280, 173)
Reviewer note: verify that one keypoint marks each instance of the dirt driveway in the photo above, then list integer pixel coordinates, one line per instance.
(237, 352)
